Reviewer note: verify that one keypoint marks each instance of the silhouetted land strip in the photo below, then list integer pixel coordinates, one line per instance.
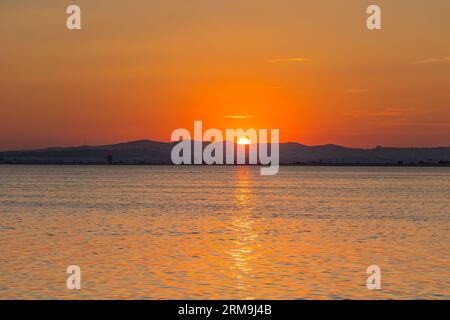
(145, 152)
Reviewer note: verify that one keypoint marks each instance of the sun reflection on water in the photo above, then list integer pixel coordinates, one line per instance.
(243, 249)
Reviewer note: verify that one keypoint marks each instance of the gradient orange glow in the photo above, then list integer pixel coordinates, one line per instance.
(309, 68)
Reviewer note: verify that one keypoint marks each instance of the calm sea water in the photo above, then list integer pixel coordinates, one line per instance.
(224, 232)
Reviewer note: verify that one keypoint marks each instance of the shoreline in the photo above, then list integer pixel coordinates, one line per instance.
(407, 165)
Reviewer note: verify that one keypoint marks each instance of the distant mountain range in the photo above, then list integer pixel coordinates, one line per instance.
(151, 152)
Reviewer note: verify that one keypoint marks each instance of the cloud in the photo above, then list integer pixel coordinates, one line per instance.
(236, 117)
(287, 60)
(383, 113)
(433, 60)
(390, 113)
(355, 91)
(412, 123)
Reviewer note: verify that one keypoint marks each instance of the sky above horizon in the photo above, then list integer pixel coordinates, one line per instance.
(141, 69)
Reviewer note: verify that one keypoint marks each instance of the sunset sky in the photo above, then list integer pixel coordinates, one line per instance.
(140, 69)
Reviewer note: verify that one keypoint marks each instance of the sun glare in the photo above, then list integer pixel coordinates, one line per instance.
(243, 141)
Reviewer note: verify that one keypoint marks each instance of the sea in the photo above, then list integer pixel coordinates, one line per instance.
(225, 232)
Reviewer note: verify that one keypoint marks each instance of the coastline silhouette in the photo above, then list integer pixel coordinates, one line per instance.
(158, 153)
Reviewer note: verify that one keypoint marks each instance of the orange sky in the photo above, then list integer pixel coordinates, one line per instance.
(140, 69)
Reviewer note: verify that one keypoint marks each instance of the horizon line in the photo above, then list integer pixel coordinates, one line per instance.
(171, 142)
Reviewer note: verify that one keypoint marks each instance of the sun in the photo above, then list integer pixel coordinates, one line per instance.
(243, 141)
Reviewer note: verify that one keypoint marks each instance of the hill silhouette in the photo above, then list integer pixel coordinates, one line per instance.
(152, 152)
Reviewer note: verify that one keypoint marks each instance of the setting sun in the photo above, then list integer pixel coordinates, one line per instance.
(243, 141)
